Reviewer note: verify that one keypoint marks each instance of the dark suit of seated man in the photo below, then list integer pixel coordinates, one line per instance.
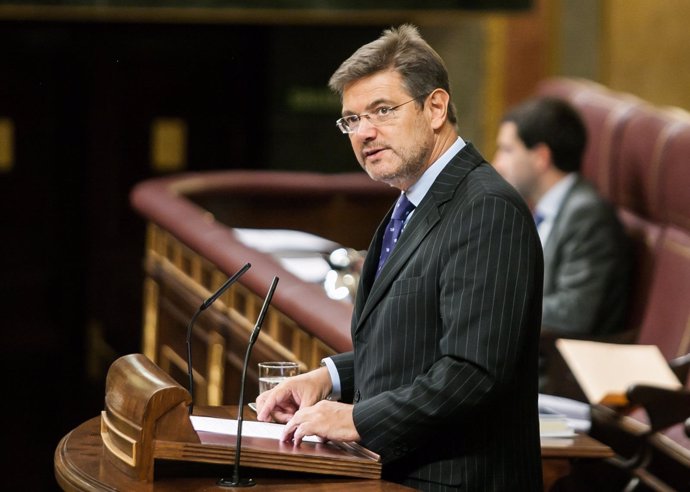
(586, 253)
(442, 381)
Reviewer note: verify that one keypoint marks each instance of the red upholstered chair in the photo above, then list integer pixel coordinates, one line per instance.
(637, 163)
(605, 114)
(667, 316)
(645, 239)
(663, 458)
(639, 158)
(674, 179)
(650, 438)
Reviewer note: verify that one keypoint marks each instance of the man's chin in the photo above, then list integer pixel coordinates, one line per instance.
(390, 180)
(377, 170)
(380, 177)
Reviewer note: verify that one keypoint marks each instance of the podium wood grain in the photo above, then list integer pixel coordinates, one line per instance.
(558, 454)
(580, 446)
(81, 465)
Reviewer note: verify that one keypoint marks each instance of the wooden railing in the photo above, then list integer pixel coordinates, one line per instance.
(189, 254)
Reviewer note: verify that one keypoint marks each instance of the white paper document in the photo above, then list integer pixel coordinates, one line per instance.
(284, 240)
(308, 268)
(577, 413)
(250, 428)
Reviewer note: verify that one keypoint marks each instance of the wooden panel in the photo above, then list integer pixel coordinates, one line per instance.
(646, 47)
(178, 281)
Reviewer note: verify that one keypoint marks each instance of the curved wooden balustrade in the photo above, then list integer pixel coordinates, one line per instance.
(191, 250)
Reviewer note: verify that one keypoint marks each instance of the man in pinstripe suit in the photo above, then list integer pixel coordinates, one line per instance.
(442, 381)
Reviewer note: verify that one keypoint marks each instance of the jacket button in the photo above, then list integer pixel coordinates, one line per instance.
(357, 396)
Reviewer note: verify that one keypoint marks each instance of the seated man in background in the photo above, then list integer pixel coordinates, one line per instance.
(586, 256)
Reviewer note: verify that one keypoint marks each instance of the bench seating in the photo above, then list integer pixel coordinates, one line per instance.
(638, 157)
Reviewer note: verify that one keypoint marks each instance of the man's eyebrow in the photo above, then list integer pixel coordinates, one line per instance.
(373, 104)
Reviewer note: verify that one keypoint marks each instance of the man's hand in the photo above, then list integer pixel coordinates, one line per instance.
(329, 420)
(283, 401)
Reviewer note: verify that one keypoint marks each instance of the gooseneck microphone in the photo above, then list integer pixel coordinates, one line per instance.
(203, 306)
(236, 481)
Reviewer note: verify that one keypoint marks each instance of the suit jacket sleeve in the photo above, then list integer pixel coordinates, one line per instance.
(344, 363)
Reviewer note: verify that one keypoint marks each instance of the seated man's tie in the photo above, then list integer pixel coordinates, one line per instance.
(538, 218)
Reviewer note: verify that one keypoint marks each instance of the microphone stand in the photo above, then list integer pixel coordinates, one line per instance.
(203, 306)
(236, 481)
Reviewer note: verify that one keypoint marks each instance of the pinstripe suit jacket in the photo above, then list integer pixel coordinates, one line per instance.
(443, 375)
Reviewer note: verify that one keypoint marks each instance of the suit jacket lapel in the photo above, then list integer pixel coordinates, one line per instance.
(557, 230)
(423, 220)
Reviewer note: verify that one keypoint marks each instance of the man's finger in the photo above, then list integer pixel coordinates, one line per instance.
(265, 404)
(298, 435)
(288, 431)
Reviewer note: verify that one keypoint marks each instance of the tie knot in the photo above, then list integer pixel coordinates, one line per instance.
(402, 208)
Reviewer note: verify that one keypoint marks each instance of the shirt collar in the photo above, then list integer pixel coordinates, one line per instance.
(551, 202)
(418, 190)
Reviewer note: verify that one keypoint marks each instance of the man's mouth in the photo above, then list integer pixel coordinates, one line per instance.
(370, 153)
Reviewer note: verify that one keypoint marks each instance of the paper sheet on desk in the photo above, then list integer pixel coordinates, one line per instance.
(308, 268)
(250, 428)
(284, 240)
(576, 412)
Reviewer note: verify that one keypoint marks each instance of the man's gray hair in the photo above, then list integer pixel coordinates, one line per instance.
(403, 50)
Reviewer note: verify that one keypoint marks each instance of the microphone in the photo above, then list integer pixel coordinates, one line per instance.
(236, 481)
(203, 306)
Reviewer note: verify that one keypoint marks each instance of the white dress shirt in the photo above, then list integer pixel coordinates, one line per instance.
(550, 204)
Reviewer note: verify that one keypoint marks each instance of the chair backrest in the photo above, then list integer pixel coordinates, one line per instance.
(637, 163)
(666, 321)
(645, 238)
(605, 114)
(674, 179)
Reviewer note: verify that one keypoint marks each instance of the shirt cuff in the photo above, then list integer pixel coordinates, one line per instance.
(335, 378)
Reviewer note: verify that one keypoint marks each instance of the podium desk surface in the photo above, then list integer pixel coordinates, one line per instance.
(81, 465)
(579, 446)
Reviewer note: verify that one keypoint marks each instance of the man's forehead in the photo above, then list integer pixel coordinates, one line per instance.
(380, 87)
(508, 130)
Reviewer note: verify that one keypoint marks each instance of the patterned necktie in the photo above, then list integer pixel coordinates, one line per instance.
(402, 209)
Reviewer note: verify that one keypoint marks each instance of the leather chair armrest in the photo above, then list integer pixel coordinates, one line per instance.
(664, 407)
(681, 366)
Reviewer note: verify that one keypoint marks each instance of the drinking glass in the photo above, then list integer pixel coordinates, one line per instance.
(272, 373)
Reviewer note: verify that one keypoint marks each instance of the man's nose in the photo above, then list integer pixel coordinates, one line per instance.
(365, 129)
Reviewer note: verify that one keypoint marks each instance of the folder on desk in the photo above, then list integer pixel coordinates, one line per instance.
(605, 371)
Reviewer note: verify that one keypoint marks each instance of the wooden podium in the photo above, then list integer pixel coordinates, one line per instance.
(146, 418)
(144, 442)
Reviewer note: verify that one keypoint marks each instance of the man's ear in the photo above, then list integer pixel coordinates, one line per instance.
(542, 155)
(438, 106)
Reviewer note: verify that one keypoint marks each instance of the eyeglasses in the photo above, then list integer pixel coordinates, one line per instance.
(382, 114)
